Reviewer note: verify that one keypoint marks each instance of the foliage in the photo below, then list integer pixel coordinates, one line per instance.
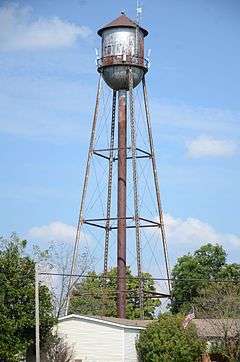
(199, 282)
(17, 311)
(209, 263)
(219, 304)
(225, 350)
(165, 340)
(56, 350)
(58, 258)
(230, 271)
(95, 295)
(219, 300)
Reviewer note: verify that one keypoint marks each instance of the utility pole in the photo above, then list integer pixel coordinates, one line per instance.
(37, 314)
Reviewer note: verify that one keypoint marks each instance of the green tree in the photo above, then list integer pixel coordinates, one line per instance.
(218, 301)
(95, 295)
(165, 340)
(56, 349)
(208, 262)
(219, 305)
(230, 271)
(17, 314)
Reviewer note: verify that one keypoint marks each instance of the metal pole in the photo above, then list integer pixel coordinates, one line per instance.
(110, 177)
(84, 192)
(135, 192)
(156, 182)
(121, 234)
(37, 314)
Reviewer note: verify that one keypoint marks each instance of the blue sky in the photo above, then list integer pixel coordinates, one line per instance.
(48, 85)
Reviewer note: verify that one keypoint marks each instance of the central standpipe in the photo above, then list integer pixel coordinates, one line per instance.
(122, 179)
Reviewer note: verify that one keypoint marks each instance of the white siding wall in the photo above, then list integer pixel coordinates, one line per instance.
(130, 337)
(93, 341)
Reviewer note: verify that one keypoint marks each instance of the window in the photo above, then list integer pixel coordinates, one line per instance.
(109, 49)
(119, 47)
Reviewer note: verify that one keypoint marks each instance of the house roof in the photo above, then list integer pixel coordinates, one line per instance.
(206, 328)
(217, 328)
(122, 22)
(127, 322)
(120, 322)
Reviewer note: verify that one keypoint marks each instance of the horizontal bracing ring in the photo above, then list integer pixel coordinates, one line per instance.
(101, 153)
(95, 222)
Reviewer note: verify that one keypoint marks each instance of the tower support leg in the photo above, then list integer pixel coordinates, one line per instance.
(83, 198)
(156, 183)
(135, 193)
(109, 191)
(122, 175)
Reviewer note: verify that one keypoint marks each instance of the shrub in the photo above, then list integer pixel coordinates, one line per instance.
(165, 340)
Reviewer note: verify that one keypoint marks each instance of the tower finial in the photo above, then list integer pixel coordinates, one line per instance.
(139, 11)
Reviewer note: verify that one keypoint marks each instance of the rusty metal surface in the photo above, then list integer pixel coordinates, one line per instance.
(116, 76)
(122, 21)
(110, 182)
(136, 192)
(119, 41)
(122, 60)
(122, 188)
(122, 47)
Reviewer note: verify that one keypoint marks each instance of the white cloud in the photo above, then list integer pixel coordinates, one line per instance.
(55, 231)
(195, 118)
(18, 30)
(179, 231)
(59, 232)
(208, 146)
(195, 231)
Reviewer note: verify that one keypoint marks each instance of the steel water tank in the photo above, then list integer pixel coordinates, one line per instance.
(122, 47)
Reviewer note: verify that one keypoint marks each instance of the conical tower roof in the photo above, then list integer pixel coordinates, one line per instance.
(122, 22)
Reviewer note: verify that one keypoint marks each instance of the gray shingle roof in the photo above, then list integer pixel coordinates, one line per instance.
(126, 322)
(217, 328)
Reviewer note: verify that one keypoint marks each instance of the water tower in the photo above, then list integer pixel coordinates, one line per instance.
(123, 66)
(122, 50)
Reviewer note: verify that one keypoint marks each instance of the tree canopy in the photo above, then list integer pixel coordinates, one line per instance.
(95, 295)
(219, 304)
(192, 273)
(17, 306)
(165, 340)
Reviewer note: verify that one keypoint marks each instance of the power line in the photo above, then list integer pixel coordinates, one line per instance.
(136, 277)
